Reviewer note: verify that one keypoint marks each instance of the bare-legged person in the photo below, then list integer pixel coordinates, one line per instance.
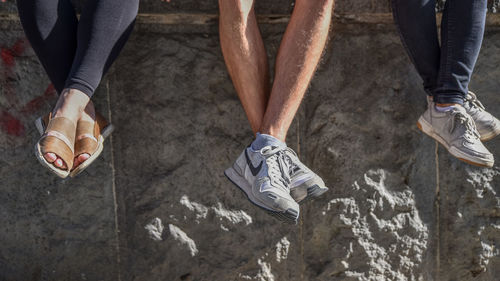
(268, 171)
(75, 53)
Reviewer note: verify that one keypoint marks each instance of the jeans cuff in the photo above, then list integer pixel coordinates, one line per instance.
(454, 98)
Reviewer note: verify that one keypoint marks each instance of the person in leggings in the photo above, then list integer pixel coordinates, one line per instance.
(75, 53)
(454, 116)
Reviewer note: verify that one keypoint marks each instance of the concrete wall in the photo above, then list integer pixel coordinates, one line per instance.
(156, 206)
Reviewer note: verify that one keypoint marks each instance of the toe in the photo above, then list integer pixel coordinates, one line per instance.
(83, 157)
(75, 163)
(50, 157)
(80, 159)
(58, 163)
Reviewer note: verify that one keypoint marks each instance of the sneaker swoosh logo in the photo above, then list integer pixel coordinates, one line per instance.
(254, 170)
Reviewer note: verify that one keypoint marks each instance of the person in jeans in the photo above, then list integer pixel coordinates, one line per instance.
(454, 117)
(268, 171)
(75, 53)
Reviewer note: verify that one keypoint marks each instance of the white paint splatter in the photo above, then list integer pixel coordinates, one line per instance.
(381, 209)
(155, 229)
(200, 210)
(282, 249)
(182, 237)
(234, 217)
(265, 273)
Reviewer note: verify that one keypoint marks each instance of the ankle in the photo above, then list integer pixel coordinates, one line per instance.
(66, 112)
(274, 132)
(88, 113)
(71, 104)
(263, 140)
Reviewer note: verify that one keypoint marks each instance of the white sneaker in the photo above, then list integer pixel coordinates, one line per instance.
(264, 177)
(305, 184)
(456, 131)
(487, 125)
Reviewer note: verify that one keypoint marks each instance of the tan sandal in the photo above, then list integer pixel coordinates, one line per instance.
(90, 138)
(57, 138)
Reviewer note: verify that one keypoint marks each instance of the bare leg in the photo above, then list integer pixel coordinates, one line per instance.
(245, 57)
(298, 56)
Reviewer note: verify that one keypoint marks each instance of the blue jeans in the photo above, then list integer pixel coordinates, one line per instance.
(447, 68)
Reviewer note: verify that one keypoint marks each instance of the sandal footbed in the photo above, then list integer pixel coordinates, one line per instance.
(53, 144)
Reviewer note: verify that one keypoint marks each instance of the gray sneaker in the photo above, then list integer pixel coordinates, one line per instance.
(264, 177)
(305, 184)
(487, 125)
(456, 131)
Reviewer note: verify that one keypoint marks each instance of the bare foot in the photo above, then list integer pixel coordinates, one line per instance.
(87, 115)
(70, 105)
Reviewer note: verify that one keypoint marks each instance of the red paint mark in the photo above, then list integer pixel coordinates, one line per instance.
(11, 125)
(8, 122)
(8, 57)
(8, 54)
(38, 102)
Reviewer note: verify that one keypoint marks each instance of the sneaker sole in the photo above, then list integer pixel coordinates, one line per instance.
(427, 129)
(288, 216)
(490, 135)
(313, 192)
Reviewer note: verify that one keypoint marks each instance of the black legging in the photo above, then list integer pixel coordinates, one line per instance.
(76, 54)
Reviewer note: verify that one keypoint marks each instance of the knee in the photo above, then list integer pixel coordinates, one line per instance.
(316, 5)
(134, 7)
(236, 8)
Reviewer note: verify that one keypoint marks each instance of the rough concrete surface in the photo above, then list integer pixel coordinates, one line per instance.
(156, 205)
(264, 7)
(211, 6)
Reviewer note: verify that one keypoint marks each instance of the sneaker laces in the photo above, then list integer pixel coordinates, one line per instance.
(293, 167)
(458, 117)
(471, 98)
(278, 166)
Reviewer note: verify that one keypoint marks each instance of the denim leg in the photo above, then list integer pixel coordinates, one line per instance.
(416, 23)
(462, 30)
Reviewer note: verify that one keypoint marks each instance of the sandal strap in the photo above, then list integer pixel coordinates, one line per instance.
(101, 123)
(88, 134)
(59, 138)
(86, 129)
(87, 138)
(86, 145)
(63, 128)
(50, 144)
